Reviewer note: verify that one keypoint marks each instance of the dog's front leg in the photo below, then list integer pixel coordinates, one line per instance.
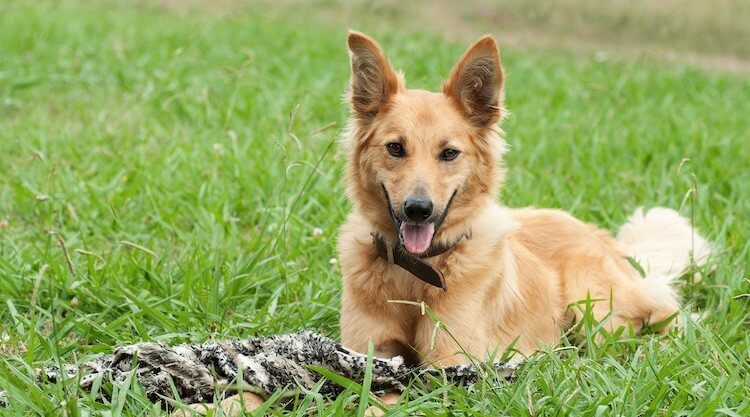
(458, 337)
(367, 315)
(381, 325)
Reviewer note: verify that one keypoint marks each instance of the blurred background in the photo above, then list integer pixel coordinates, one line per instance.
(714, 34)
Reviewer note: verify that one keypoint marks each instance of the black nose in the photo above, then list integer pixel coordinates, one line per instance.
(418, 208)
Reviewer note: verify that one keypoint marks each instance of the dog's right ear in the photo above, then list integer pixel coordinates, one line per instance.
(374, 80)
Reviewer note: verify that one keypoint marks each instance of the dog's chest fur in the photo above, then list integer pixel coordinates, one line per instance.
(483, 291)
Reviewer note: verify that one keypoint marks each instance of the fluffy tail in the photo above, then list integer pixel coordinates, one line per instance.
(664, 243)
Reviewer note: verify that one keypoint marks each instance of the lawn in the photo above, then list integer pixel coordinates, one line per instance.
(175, 175)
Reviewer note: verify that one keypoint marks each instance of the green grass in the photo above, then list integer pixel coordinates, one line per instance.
(162, 175)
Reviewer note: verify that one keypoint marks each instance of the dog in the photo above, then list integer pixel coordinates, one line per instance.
(424, 173)
(427, 234)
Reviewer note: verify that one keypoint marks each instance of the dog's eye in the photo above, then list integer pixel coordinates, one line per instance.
(395, 149)
(449, 154)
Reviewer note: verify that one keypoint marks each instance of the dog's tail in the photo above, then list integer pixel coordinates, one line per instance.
(664, 243)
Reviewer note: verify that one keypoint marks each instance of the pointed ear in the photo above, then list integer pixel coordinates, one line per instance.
(476, 83)
(374, 81)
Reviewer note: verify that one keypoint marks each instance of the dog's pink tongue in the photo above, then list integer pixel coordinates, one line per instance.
(417, 238)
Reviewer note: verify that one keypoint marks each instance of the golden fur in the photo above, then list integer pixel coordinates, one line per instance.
(514, 280)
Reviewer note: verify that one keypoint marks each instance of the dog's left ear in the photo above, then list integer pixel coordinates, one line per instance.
(476, 83)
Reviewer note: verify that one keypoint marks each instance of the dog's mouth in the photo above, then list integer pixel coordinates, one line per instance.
(416, 238)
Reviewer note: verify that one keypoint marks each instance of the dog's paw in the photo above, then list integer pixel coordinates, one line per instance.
(390, 398)
(233, 406)
(374, 411)
(192, 410)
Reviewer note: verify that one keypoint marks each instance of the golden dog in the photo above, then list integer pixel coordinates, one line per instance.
(424, 172)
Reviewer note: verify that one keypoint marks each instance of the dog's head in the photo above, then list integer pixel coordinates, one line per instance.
(422, 163)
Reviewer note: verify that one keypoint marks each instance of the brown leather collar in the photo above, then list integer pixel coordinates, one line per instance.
(394, 253)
